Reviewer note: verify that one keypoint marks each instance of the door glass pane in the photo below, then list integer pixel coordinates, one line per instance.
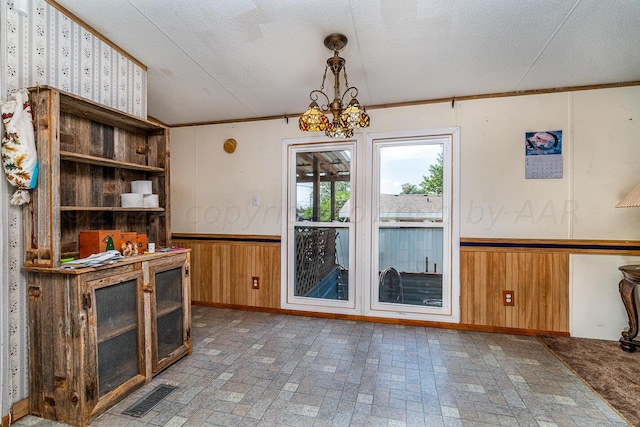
(322, 260)
(321, 245)
(410, 224)
(323, 185)
(169, 311)
(117, 325)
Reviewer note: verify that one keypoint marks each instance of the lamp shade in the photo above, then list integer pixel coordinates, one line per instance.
(336, 131)
(631, 200)
(354, 116)
(313, 120)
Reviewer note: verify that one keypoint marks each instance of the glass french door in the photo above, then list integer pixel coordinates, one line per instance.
(411, 226)
(320, 246)
(369, 225)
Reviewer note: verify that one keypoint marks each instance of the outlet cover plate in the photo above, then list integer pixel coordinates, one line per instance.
(508, 298)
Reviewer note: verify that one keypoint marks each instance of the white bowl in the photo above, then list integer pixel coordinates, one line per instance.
(131, 200)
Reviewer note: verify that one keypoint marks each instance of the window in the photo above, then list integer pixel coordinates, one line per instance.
(320, 241)
(398, 192)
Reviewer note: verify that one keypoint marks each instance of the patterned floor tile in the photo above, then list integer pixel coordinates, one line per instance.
(259, 369)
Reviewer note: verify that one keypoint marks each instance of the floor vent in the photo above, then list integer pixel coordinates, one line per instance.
(144, 405)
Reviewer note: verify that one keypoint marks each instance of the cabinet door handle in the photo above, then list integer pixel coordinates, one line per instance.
(147, 288)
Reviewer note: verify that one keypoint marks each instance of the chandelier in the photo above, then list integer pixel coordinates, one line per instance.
(345, 119)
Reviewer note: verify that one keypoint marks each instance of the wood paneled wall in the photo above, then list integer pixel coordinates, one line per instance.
(222, 268)
(539, 282)
(537, 271)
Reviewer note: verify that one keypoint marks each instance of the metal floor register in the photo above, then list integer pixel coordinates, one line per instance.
(144, 405)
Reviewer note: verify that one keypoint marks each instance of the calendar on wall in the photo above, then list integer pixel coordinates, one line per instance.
(543, 154)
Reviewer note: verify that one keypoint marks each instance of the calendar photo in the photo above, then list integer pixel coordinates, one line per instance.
(543, 154)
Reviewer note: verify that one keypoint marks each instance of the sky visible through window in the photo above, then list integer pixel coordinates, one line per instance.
(405, 164)
(398, 165)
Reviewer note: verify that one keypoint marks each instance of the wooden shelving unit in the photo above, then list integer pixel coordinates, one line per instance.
(88, 156)
(97, 334)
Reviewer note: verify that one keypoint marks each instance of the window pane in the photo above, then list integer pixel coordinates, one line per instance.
(322, 260)
(410, 262)
(410, 256)
(411, 183)
(323, 185)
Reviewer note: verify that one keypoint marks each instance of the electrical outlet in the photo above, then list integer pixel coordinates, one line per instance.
(255, 283)
(508, 298)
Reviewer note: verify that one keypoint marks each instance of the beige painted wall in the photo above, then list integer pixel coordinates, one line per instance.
(596, 308)
(606, 162)
(212, 191)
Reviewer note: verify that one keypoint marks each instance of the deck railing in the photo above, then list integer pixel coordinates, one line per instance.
(315, 257)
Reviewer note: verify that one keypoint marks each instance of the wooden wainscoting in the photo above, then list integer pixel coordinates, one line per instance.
(537, 271)
(222, 268)
(539, 282)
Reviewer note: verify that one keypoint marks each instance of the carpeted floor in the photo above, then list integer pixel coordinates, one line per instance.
(611, 372)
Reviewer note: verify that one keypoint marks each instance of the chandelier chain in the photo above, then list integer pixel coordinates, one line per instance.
(324, 77)
(344, 69)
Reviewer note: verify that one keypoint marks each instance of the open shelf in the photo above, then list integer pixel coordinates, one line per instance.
(109, 209)
(75, 104)
(86, 165)
(101, 161)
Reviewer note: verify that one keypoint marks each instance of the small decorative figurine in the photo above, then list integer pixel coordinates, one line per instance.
(109, 242)
(129, 249)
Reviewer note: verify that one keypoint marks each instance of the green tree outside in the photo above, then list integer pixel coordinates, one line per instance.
(431, 184)
(343, 193)
(410, 189)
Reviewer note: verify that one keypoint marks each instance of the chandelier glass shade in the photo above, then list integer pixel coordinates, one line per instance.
(313, 120)
(345, 119)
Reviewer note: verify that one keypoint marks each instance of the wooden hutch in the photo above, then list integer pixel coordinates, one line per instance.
(96, 334)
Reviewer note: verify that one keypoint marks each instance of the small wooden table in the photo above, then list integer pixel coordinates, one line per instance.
(627, 286)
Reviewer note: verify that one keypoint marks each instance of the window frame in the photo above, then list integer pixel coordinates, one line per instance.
(450, 310)
(288, 299)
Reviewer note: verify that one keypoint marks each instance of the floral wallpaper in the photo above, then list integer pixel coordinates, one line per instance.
(46, 47)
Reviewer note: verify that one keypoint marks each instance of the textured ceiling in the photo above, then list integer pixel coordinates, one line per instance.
(211, 60)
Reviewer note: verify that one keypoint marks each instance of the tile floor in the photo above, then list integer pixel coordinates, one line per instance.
(259, 369)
